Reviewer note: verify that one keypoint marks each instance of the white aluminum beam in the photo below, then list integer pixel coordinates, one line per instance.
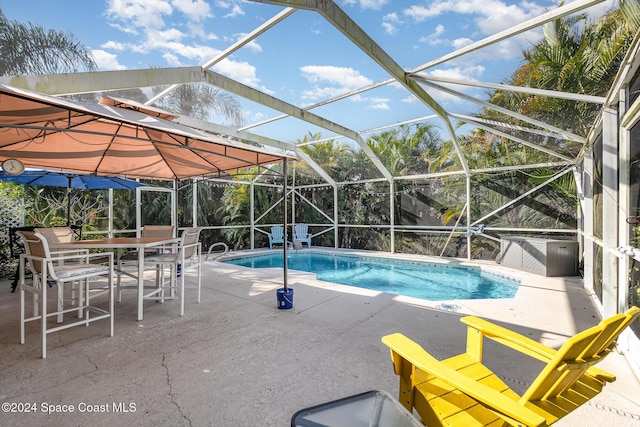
(270, 101)
(561, 132)
(552, 15)
(340, 20)
(234, 47)
(518, 89)
(534, 131)
(511, 137)
(99, 81)
(376, 129)
(322, 103)
(522, 196)
(565, 10)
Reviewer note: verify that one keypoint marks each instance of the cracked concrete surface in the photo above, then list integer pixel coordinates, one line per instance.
(235, 359)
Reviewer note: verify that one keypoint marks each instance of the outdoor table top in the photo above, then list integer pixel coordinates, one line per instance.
(118, 243)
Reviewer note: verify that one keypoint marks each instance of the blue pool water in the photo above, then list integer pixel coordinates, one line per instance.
(434, 282)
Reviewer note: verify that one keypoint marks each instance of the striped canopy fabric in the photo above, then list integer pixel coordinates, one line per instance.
(47, 132)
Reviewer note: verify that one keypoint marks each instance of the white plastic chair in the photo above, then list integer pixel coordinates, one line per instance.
(187, 256)
(61, 267)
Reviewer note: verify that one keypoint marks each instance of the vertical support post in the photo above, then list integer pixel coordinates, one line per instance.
(284, 223)
(194, 203)
(469, 238)
(335, 217)
(293, 197)
(610, 211)
(588, 223)
(110, 231)
(138, 211)
(392, 210)
(252, 214)
(624, 176)
(174, 204)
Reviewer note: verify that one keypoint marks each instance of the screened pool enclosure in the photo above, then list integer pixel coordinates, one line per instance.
(450, 179)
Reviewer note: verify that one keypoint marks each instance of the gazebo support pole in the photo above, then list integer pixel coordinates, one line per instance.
(284, 223)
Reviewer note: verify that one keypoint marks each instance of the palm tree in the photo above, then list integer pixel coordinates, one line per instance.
(199, 100)
(31, 49)
(576, 55)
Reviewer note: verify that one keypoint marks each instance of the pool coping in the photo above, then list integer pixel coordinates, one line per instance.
(383, 257)
(531, 286)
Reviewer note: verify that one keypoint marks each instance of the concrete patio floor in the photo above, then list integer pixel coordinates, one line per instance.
(236, 360)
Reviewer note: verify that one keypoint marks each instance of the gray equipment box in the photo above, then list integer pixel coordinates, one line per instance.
(546, 257)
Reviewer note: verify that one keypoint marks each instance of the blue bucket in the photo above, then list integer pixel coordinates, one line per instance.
(285, 299)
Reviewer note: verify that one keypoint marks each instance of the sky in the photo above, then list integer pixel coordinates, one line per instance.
(304, 59)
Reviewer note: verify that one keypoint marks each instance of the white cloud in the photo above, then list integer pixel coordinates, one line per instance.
(316, 28)
(172, 59)
(372, 4)
(329, 81)
(412, 100)
(124, 28)
(367, 4)
(343, 77)
(461, 42)
(470, 73)
(378, 104)
(159, 38)
(252, 45)
(235, 11)
(389, 22)
(253, 116)
(392, 17)
(389, 28)
(113, 45)
(131, 16)
(465, 73)
(493, 15)
(434, 39)
(139, 13)
(241, 71)
(107, 61)
(196, 28)
(196, 10)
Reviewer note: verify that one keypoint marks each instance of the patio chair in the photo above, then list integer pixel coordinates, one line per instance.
(276, 236)
(462, 391)
(161, 231)
(15, 249)
(62, 267)
(131, 257)
(301, 234)
(54, 235)
(186, 257)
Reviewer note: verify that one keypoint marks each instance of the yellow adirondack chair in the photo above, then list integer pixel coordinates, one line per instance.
(461, 391)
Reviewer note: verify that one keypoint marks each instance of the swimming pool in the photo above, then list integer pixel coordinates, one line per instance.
(434, 282)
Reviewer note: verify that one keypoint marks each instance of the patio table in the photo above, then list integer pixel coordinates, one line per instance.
(120, 243)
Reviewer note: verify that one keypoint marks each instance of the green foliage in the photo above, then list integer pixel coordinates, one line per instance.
(31, 49)
(200, 101)
(576, 55)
